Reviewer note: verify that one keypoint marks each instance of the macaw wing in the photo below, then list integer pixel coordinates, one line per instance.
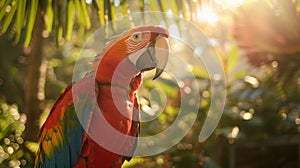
(135, 129)
(61, 135)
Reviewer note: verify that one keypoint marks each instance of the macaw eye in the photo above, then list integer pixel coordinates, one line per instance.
(136, 36)
(137, 40)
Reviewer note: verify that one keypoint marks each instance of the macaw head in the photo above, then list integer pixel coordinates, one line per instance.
(137, 50)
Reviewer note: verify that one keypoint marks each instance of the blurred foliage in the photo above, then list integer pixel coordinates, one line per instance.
(12, 73)
(273, 39)
(262, 87)
(271, 93)
(12, 149)
(18, 17)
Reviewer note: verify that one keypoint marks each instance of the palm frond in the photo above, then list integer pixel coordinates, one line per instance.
(18, 17)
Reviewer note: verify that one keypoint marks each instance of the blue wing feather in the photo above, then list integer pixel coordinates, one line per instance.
(64, 146)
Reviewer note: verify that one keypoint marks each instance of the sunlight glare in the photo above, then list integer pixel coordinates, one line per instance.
(229, 4)
(297, 121)
(10, 150)
(252, 81)
(246, 115)
(235, 131)
(207, 15)
(117, 3)
(283, 116)
(89, 1)
(233, 134)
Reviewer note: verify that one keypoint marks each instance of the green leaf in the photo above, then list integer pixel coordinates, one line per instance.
(113, 17)
(298, 5)
(154, 6)
(3, 10)
(132, 162)
(2, 3)
(124, 8)
(200, 72)
(173, 7)
(32, 146)
(60, 21)
(169, 7)
(9, 17)
(20, 19)
(241, 74)
(70, 18)
(59, 34)
(232, 58)
(86, 15)
(100, 4)
(80, 14)
(49, 16)
(141, 5)
(30, 22)
(186, 9)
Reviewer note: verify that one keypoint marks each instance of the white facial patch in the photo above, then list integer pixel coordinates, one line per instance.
(135, 56)
(137, 41)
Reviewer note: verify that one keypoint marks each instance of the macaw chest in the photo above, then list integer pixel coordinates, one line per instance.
(117, 109)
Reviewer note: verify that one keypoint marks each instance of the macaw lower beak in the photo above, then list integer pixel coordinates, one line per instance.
(154, 56)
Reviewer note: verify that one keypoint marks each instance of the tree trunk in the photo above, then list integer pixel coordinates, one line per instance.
(33, 102)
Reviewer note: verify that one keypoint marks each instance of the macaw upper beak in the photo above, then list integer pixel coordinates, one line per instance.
(154, 56)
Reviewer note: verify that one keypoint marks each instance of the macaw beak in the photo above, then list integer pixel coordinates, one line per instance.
(162, 54)
(155, 55)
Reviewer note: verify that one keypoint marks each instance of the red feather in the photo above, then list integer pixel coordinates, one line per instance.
(64, 142)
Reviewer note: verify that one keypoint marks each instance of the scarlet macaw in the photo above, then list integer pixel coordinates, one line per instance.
(64, 142)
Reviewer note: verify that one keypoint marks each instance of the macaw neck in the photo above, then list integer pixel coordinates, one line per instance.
(116, 72)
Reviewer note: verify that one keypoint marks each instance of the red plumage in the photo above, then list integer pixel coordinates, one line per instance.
(70, 136)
